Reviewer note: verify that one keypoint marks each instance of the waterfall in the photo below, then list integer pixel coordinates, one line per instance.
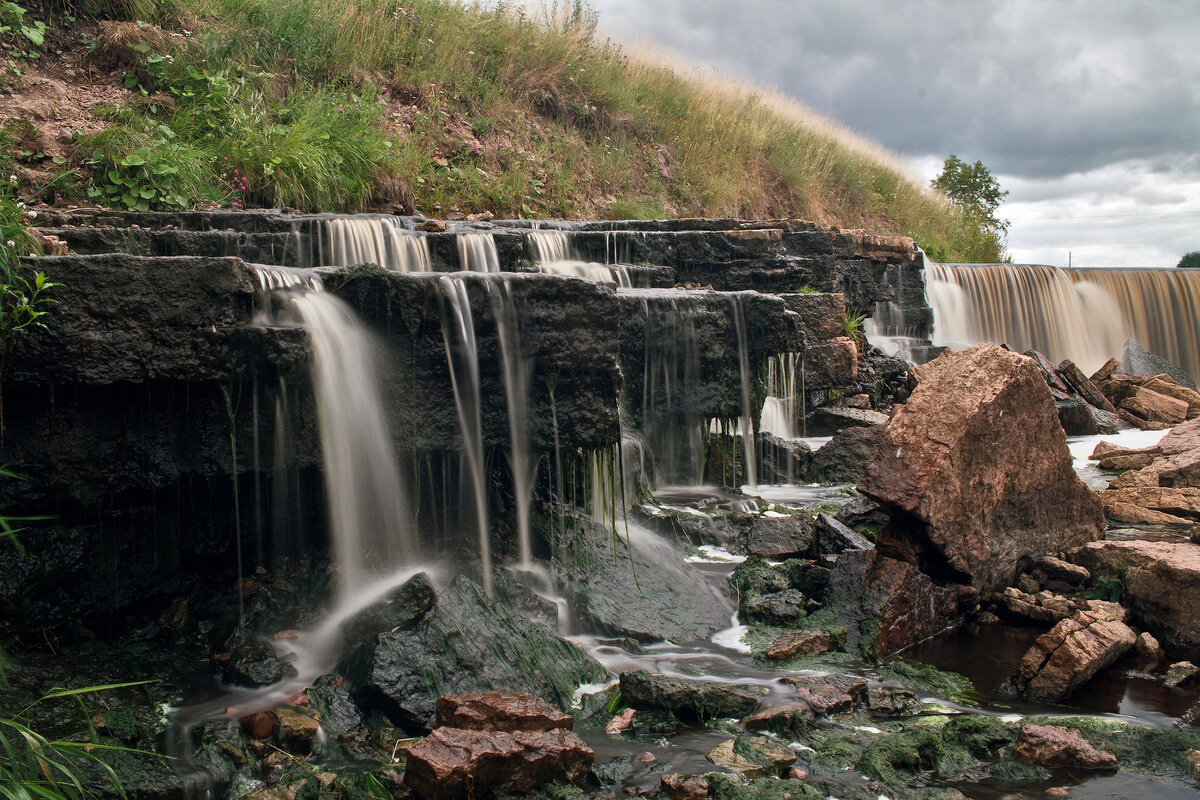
(458, 334)
(1084, 315)
(477, 252)
(552, 253)
(780, 407)
(747, 421)
(516, 392)
(343, 241)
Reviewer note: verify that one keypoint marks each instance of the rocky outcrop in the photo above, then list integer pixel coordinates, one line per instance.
(782, 537)
(467, 643)
(975, 471)
(846, 457)
(1056, 746)
(1073, 652)
(500, 711)
(452, 763)
(790, 644)
(1161, 484)
(694, 699)
(1161, 586)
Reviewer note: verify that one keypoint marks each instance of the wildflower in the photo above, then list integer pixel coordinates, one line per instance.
(31, 213)
(11, 243)
(12, 178)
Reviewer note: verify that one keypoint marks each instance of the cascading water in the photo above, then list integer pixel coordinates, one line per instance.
(552, 253)
(746, 423)
(343, 241)
(1081, 314)
(477, 252)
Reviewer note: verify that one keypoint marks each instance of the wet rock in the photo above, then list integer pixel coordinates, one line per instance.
(782, 460)
(332, 700)
(752, 756)
(1073, 651)
(845, 457)
(781, 609)
(297, 729)
(1166, 385)
(1056, 746)
(402, 609)
(976, 471)
(828, 420)
(790, 644)
(829, 694)
(887, 604)
(1181, 673)
(1044, 608)
(1138, 360)
(1078, 418)
(1083, 386)
(893, 701)
(681, 786)
(703, 700)
(467, 643)
(782, 537)
(1124, 461)
(1149, 648)
(500, 711)
(833, 537)
(1154, 407)
(1059, 575)
(452, 763)
(253, 662)
(784, 720)
(1161, 586)
(621, 722)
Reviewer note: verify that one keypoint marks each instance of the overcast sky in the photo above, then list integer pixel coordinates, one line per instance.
(1088, 112)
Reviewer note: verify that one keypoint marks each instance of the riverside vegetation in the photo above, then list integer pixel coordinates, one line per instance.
(433, 107)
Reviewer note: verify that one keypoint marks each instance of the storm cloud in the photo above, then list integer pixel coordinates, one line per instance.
(1082, 109)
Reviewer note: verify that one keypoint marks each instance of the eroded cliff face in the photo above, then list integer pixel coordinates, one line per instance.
(165, 427)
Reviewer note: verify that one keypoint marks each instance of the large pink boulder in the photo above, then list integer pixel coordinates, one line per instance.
(975, 472)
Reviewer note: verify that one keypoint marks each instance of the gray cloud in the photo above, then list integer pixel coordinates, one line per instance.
(1038, 90)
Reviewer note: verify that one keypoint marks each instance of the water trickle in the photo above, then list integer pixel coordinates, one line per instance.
(477, 252)
(552, 253)
(548, 247)
(1081, 314)
(747, 421)
(458, 335)
(372, 240)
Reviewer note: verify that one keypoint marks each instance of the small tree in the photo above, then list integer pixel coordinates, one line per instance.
(973, 188)
(1191, 259)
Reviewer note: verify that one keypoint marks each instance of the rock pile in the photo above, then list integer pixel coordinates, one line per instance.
(1150, 402)
(1160, 484)
(1083, 409)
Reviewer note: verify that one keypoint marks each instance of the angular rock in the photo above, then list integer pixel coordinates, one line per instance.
(1048, 609)
(893, 701)
(1056, 746)
(781, 719)
(887, 604)
(780, 609)
(253, 662)
(681, 786)
(451, 763)
(831, 419)
(1078, 418)
(500, 711)
(790, 644)
(829, 694)
(1148, 647)
(703, 700)
(332, 700)
(1128, 512)
(621, 722)
(467, 643)
(782, 537)
(976, 470)
(833, 537)
(1050, 569)
(1161, 586)
(1138, 360)
(1058, 388)
(297, 729)
(403, 608)
(752, 756)
(1181, 439)
(1105, 449)
(1084, 386)
(1127, 461)
(1154, 407)
(1074, 650)
(1141, 423)
(1107, 369)
(1176, 502)
(1165, 384)
(1181, 673)
(845, 458)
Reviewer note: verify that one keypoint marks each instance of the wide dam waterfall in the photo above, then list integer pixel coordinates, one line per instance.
(1084, 315)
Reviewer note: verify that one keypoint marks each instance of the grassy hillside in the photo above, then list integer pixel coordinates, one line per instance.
(433, 107)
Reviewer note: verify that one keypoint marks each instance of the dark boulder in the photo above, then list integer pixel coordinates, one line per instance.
(779, 537)
(845, 458)
(402, 609)
(686, 698)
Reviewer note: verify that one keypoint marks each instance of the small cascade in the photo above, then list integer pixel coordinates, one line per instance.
(271, 279)
(549, 247)
(553, 254)
(746, 424)
(477, 252)
(781, 407)
(672, 425)
(343, 241)
(1080, 314)
(516, 391)
(370, 519)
